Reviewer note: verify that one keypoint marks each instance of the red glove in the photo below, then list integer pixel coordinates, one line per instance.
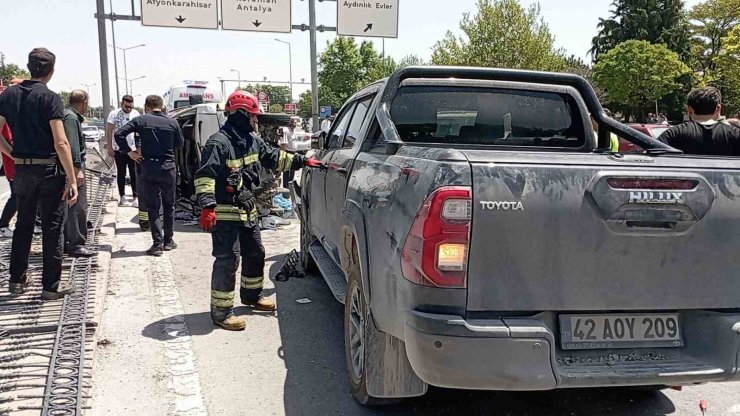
(314, 163)
(207, 219)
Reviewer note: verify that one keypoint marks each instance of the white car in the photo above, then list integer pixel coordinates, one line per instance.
(304, 142)
(91, 133)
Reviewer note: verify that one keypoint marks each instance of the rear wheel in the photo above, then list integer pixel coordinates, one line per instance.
(358, 328)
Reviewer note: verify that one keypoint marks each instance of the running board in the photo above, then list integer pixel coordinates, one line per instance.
(333, 275)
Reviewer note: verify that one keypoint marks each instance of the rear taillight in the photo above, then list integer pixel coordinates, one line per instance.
(653, 184)
(436, 249)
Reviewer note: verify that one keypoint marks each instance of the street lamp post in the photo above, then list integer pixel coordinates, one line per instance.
(238, 76)
(87, 86)
(290, 66)
(125, 68)
(131, 81)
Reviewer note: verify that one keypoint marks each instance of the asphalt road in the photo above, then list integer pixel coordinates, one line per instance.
(288, 363)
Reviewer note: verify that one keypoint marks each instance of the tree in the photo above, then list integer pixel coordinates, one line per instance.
(304, 105)
(411, 60)
(726, 73)
(277, 108)
(278, 94)
(711, 23)
(345, 67)
(656, 21)
(8, 71)
(636, 73)
(502, 34)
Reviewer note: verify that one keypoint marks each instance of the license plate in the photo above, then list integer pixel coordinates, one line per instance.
(578, 332)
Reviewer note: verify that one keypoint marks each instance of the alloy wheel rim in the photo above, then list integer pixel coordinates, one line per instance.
(356, 334)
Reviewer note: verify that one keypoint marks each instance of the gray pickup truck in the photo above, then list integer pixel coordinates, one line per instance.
(481, 236)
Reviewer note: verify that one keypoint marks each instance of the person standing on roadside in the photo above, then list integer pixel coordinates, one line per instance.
(11, 206)
(116, 120)
(40, 145)
(287, 138)
(75, 230)
(159, 136)
(707, 133)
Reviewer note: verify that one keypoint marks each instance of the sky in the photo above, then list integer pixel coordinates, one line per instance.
(68, 28)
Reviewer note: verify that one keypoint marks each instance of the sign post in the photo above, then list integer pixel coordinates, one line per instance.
(268, 16)
(202, 14)
(365, 18)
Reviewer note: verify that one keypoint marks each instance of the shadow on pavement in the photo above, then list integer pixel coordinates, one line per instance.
(316, 383)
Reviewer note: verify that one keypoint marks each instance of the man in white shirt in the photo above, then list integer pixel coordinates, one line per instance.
(326, 124)
(117, 119)
(287, 139)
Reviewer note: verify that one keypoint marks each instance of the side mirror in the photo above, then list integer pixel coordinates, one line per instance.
(322, 140)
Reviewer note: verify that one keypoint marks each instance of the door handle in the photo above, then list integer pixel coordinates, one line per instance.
(342, 171)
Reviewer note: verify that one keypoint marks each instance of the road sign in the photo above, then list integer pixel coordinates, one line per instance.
(325, 111)
(262, 96)
(368, 18)
(257, 16)
(198, 14)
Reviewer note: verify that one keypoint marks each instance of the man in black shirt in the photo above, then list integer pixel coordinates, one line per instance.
(40, 145)
(159, 136)
(707, 133)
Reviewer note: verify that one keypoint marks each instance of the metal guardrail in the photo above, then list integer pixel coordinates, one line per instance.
(47, 345)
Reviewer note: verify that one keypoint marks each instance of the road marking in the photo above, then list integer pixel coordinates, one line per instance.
(185, 379)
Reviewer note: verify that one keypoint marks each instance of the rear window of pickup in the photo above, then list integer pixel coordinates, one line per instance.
(487, 116)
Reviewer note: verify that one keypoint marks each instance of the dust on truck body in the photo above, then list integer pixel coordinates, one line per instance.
(482, 236)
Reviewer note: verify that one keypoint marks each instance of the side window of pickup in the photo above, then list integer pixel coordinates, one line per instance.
(358, 120)
(339, 127)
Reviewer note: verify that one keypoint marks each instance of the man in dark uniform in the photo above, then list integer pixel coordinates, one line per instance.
(707, 133)
(40, 145)
(159, 136)
(231, 163)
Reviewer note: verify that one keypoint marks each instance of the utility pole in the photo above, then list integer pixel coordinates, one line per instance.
(103, 50)
(314, 65)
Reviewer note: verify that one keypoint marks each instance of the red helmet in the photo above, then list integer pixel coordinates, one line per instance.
(242, 100)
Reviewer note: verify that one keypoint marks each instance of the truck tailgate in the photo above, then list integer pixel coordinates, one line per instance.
(622, 236)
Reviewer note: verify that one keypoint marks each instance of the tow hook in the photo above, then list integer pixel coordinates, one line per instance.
(291, 267)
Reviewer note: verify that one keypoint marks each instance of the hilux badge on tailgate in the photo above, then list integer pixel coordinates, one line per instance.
(501, 206)
(639, 197)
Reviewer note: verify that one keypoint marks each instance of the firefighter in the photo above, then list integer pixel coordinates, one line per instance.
(231, 163)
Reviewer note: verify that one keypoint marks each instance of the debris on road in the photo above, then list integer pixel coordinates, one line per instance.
(303, 301)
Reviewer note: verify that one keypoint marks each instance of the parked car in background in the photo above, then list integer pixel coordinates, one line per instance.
(652, 130)
(92, 133)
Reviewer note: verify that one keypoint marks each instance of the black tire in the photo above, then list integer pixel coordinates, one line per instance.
(309, 265)
(274, 119)
(355, 309)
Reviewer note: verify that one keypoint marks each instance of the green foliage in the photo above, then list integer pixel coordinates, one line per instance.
(636, 73)
(411, 60)
(304, 105)
(65, 97)
(346, 67)
(277, 108)
(726, 73)
(711, 22)
(575, 65)
(656, 21)
(278, 94)
(502, 34)
(8, 71)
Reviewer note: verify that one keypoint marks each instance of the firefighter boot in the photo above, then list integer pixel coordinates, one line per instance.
(232, 323)
(262, 304)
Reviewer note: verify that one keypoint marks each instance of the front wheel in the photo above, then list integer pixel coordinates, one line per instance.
(309, 265)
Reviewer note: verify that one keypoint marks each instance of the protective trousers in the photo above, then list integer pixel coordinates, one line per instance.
(231, 240)
(159, 179)
(143, 212)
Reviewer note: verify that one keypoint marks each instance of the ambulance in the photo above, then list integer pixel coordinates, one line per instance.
(178, 96)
